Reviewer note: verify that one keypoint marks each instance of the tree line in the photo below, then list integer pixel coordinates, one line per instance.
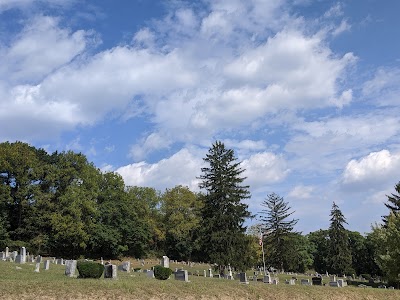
(60, 204)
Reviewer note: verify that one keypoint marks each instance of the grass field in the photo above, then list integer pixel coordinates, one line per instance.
(53, 284)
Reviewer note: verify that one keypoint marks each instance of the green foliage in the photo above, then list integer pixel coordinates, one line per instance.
(278, 233)
(162, 273)
(89, 269)
(393, 203)
(340, 261)
(387, 240)
(319, 248)
(181, 211)
(222, 231)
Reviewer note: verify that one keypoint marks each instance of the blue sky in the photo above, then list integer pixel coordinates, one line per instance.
(306, 92)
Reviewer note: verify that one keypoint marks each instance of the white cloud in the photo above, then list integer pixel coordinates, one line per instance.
(39, 49)
(301, 192)
(343, 27)
(384, 88)
(374, 169)
(24, 4)
(182, 168)
(264, 168)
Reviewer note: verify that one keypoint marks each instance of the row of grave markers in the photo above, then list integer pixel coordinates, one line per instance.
(110, 270)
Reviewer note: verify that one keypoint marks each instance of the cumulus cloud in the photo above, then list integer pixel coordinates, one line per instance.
(182, 168)
(376, 168)
(264, 168)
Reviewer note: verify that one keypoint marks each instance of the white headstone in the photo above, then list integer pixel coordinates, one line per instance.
(7, 252)
(47, 264)
(165, 262)
(126, 266)
(37, 268)
(70, 268)
(210, 274)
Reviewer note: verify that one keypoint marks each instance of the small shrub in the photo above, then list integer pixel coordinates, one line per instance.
(89, 269)
(162, 273)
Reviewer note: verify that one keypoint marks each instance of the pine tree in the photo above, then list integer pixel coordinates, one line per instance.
(340, 254)
(277, 229)
(223, 214)
(393, 203)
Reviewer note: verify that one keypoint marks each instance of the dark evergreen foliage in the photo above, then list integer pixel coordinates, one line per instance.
(393, 203)
(277, 230)
(162, 273)
(89, 269)
(223, 214)
(340, 260)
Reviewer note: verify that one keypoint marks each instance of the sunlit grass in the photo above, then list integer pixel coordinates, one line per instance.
(24, 283)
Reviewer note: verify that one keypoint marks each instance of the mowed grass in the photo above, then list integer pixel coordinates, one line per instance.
(24, 283)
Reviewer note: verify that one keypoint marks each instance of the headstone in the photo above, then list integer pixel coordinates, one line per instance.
(47, 264)
(333, 278)
(230, 275)
(210, 274)
(267, 279)
(205, 273)
(275, 280)
(110, 271)
(150, 273)
(70, 268)
(23, 254)
(102, 261)
(182, 275)
(165, 261)
(59, 261)
(31, 259)
(7, 252)
(38, 259)
(2, 255)
(290, 281)
(341, 283)
(243, 278)
(305, 282)
(334, 284)
(317, 280)
(125, 267)
(37, 268)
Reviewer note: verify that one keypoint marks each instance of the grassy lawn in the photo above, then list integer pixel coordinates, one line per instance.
(53, 284)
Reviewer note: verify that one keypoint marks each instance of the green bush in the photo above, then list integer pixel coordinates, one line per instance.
(366, 276)
(162, 273)
(89, 269)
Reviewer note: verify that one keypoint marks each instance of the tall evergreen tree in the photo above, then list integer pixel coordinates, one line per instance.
(223, 214)
(340, 253)
(277, 229)
(393, 203)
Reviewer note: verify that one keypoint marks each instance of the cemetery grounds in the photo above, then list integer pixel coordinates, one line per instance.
(19, 281)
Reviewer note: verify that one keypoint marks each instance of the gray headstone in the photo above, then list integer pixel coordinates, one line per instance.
(205, 273)
(2, 255)
(37, 268)
(47, 264)
(267, 279)
(110, 271)
(165, 262)
(243, 278)
(305, 282)
(7, 252)
(334, 284)
(182, 275)
(38, 259)
(332, 278)
(19, 259)
(125, 267)
(70, 268)
(341, 283)
(150, 273)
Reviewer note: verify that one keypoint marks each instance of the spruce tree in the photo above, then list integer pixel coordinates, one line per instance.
(393, 203)
(277, 229)
(340, 259)
(223, 234)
